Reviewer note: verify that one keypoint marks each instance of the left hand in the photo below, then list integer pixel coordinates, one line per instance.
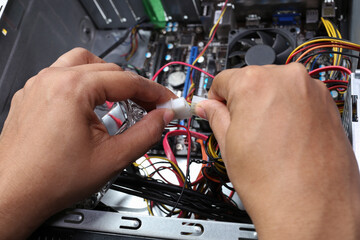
(54, 151)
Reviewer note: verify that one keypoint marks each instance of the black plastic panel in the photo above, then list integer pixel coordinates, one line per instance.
(38, 32)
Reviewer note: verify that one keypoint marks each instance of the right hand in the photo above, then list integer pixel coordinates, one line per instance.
(286, 152)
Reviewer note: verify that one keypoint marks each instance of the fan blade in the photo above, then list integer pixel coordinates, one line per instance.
(239, 65)
(281, 57)
(280, 44)
(266, 38)
(237, 53)
(248, 42)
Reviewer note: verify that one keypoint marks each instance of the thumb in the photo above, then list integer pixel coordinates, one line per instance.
(120, 150)
(218, 116)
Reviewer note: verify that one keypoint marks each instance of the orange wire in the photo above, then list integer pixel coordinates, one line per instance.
(212, 179)
(204, 157)
(324, 46)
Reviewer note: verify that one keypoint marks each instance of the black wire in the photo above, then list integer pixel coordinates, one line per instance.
(121, 40)
(153, 164)
(190, 201)
(185, 183)
(329, 52)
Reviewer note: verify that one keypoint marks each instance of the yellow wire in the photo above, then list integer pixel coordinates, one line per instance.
(217, 22)
(322, 40)
(148, 207)
(212, 152)
(210, 34)
(173, 164)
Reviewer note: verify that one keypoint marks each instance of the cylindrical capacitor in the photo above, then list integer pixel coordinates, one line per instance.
(176, 79)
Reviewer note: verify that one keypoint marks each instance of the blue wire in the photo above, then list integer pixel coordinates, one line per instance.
(313, 64)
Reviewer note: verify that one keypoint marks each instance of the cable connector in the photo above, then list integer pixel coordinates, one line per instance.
(180, 107)
(194, 102)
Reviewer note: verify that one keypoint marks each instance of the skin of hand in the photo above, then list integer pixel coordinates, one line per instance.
(286, 152)
(54, 151)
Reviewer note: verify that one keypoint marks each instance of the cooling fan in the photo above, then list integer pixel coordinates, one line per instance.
(258, 47)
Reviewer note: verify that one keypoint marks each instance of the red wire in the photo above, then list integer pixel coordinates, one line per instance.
(181, 63)
(335, 81)
(327, 68)
(109, 104)
(231, 194)
(337, 86)
(148, 159)
(169, 153)
(300, 50)
(314, 45)
(116, 120)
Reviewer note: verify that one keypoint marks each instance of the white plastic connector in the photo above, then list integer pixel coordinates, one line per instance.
(180, 107)
(194, 102)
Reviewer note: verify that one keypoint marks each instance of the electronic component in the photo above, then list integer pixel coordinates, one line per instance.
(328, 9)
(176, 79)
(226, 23)
(180, 107)
(252, 21)
(289, 17)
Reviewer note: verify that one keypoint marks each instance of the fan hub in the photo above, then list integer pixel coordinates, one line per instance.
(260, 55)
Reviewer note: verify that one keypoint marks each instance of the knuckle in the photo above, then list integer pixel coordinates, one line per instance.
(297, 69)
(45, 71)
(67, 84)
(29, 83)
(114, 66)
(17, 96)
(80, 51)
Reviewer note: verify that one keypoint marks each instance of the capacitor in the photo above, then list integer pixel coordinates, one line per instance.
(201, 59)
(334, 94)
(169, 24)
(170, 46)
(176, 79)
(168, 57)
(148, 55)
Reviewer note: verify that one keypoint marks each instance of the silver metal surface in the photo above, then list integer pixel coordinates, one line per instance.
(349, 120)
(156, 227)
(355, 94)
(103, 15)
(3, 4)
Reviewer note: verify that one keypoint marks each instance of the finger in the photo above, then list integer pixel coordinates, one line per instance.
(218, 116)
(122, 149)
(97, 67)
(118, 86)
(75, 57)
(221, 85)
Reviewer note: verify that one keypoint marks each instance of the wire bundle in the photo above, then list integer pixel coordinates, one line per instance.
(325, 59)
(168, 195)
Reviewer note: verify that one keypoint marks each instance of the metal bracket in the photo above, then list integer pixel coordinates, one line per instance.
(149, 226)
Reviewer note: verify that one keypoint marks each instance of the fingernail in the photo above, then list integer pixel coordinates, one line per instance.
(200, 112)
(168, 116)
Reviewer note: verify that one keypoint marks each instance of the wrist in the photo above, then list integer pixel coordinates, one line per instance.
(310, 213)
(22, 208)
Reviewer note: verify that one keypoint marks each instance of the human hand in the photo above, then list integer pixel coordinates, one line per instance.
(54, 151)
(286, 152)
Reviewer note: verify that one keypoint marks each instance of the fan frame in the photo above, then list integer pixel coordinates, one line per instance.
(237, 34)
